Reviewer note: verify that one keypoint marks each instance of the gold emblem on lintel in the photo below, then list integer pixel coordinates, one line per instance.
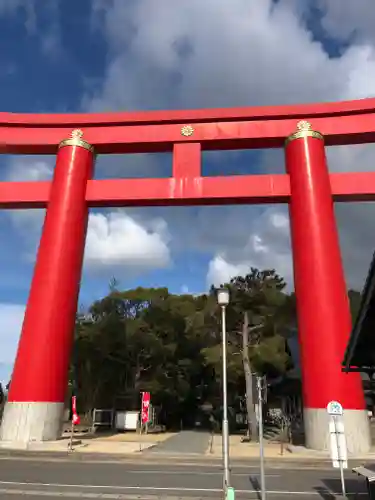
(303, 125)
(187, 130)
(304, 129)
(77, 133)
(76, 140)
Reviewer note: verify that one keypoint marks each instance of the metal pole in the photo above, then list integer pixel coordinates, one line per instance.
(140, 437)
(71, 437)
(339, 457)
(342, 479)
(261, 442)
(225, 404)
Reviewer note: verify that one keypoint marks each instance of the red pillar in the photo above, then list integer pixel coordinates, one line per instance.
(324, 321)
(39, 381)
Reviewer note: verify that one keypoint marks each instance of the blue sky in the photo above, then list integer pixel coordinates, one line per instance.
(132, 55)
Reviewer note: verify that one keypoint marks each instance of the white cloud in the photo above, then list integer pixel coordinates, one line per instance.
(238, 53)
(347, 20)
(113, 238)
(29, 222)
(11, 318)
(11, 7)
(117, 239)
(220, 271)
(115, 242)
(21, 168)
(219, 53)
(32, 16)
(267, 246)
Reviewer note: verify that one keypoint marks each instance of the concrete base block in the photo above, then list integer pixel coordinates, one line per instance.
(357, 430)
(31, 422)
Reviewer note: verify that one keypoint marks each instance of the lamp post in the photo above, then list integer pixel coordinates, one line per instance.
(223, 301)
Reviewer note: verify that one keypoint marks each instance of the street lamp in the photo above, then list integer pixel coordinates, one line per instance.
(223, 301)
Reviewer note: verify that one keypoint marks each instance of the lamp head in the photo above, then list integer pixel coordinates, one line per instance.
(223, 297)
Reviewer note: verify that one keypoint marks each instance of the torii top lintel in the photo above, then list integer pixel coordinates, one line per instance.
(349, 122)
(187, 133)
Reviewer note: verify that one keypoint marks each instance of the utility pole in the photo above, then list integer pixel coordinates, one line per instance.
(261, 387)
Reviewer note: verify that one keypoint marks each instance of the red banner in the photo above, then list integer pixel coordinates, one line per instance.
(75, 418)
(145, 414)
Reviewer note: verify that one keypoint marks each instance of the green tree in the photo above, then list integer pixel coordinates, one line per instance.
(147, 339)
(256, 299)
(254, 319)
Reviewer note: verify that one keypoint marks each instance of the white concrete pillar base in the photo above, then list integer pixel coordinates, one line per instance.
(36, 422)
(357, 430)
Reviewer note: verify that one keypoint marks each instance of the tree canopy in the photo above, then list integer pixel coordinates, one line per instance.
(148, 339)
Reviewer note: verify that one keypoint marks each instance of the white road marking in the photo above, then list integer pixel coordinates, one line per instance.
(287, 464)
(159, 488)
(195, 473)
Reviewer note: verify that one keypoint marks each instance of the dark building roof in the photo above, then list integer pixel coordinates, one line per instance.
(360, 351)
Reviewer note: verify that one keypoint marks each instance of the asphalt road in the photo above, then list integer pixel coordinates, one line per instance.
(49, 479)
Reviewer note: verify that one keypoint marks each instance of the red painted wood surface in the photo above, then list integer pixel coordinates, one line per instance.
(57, 272)
(41, 366)
(340, 123)
(296, 111)
(324, 319)
(230, 190)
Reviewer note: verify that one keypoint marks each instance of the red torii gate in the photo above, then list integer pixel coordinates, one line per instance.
(37, 392)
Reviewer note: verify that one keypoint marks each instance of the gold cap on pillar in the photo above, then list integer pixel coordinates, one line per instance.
(304, 129)
(76, 140)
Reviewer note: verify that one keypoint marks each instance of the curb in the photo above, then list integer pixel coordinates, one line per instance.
(177, 460)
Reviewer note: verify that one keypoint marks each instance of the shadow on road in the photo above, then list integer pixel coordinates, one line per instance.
(325, 494)
(256, 486)
(332, 489)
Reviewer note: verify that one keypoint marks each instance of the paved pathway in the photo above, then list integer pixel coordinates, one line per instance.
(185, 443)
